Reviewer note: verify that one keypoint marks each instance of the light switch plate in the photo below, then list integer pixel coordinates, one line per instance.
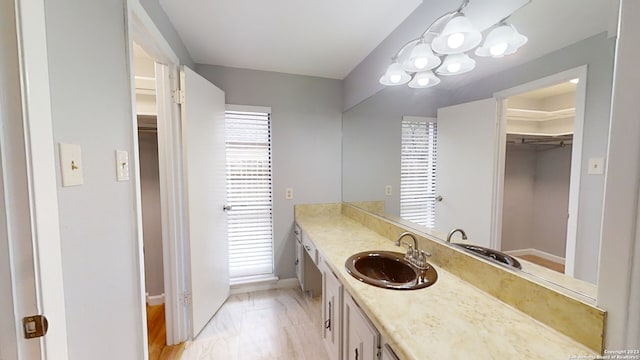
(596, 166)
(71, 164)
(122, 165)
(387, 190)
(288, 193)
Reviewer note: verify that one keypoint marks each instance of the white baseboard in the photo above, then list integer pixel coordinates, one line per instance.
(539, 253)
(153, 300)
(270, 284)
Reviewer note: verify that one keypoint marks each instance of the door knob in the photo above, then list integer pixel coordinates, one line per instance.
(438, 198)
(226, 207)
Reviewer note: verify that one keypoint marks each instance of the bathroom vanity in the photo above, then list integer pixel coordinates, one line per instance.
(452, 319)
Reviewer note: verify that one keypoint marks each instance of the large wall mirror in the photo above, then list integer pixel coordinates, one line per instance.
(515, 152)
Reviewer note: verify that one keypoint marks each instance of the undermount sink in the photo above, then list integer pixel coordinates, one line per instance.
(389, 270)
(491, 254)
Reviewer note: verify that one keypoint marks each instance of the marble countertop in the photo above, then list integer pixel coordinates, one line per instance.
(449, 320)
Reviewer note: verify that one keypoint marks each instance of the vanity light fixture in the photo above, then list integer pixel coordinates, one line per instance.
(421, 58)
(456, 64)
(574, 81)
(458, 36)
(502, 40)
(395, 75)
(423, 80)
(450, 37)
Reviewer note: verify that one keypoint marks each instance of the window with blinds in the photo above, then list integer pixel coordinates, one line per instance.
(418, 170)
(249, 191)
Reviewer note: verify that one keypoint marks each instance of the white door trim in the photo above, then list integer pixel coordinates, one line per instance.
(41, 174)
(142, 30)
(172, 204)
(618, 279)
(579, 72)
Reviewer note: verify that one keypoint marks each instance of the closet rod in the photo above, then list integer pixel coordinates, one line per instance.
(154, 131)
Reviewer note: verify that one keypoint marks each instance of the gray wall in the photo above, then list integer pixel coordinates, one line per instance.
(306, 143)
(551, 199)
(519, 187)
(10, 181)
(536, 196)
(372, 138)
(151, 217)
(91, 106)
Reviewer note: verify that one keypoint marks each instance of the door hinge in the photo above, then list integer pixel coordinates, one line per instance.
(35, 326)
(178, 96)
(186, 298)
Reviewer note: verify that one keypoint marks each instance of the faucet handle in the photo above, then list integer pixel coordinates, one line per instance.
(410, 253)
(426, 254)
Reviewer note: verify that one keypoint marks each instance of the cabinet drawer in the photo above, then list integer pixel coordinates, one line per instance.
(298, 232)
(310, 249)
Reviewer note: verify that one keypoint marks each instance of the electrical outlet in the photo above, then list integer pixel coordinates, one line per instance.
(122, 165)
(387, 190)
(288, 193)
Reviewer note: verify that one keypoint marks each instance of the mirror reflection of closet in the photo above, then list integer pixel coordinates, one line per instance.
(540, 127)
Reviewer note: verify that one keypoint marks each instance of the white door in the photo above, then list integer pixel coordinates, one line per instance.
(205, 186)
(467, 149)
(30, 260)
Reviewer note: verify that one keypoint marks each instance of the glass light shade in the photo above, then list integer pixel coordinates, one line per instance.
(421, 59)
(501, 41)
(423, 80)
(395, 75)
(458, 36)
(456, 64)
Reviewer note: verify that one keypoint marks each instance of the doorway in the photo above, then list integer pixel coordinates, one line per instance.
(151, 203)
(539, 127)
(544, 140)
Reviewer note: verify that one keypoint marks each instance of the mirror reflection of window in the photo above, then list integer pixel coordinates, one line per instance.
(418, 170)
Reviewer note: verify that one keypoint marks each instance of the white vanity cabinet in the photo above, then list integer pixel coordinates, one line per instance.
(306, 259)
(361, 340)
(387, 352)
(331, 312)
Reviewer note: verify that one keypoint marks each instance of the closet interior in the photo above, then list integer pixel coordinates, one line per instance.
(539, 144)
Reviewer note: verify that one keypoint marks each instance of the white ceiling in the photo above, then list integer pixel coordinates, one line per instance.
(325, 38)
(329, 38)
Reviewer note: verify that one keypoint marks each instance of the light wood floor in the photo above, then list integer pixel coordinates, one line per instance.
(156, 335)
(544, 262)
(275, 324)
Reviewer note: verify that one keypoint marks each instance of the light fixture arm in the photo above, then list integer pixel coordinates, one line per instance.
(450, 14)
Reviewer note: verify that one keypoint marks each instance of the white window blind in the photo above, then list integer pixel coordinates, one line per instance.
(249, 191)
(418, 170)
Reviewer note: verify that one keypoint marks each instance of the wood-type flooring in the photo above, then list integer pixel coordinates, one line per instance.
(275, 324)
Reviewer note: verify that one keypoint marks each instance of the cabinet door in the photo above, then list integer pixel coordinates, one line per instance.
(361, 340)
(387, 353)
(331, 313)
(299, 264)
